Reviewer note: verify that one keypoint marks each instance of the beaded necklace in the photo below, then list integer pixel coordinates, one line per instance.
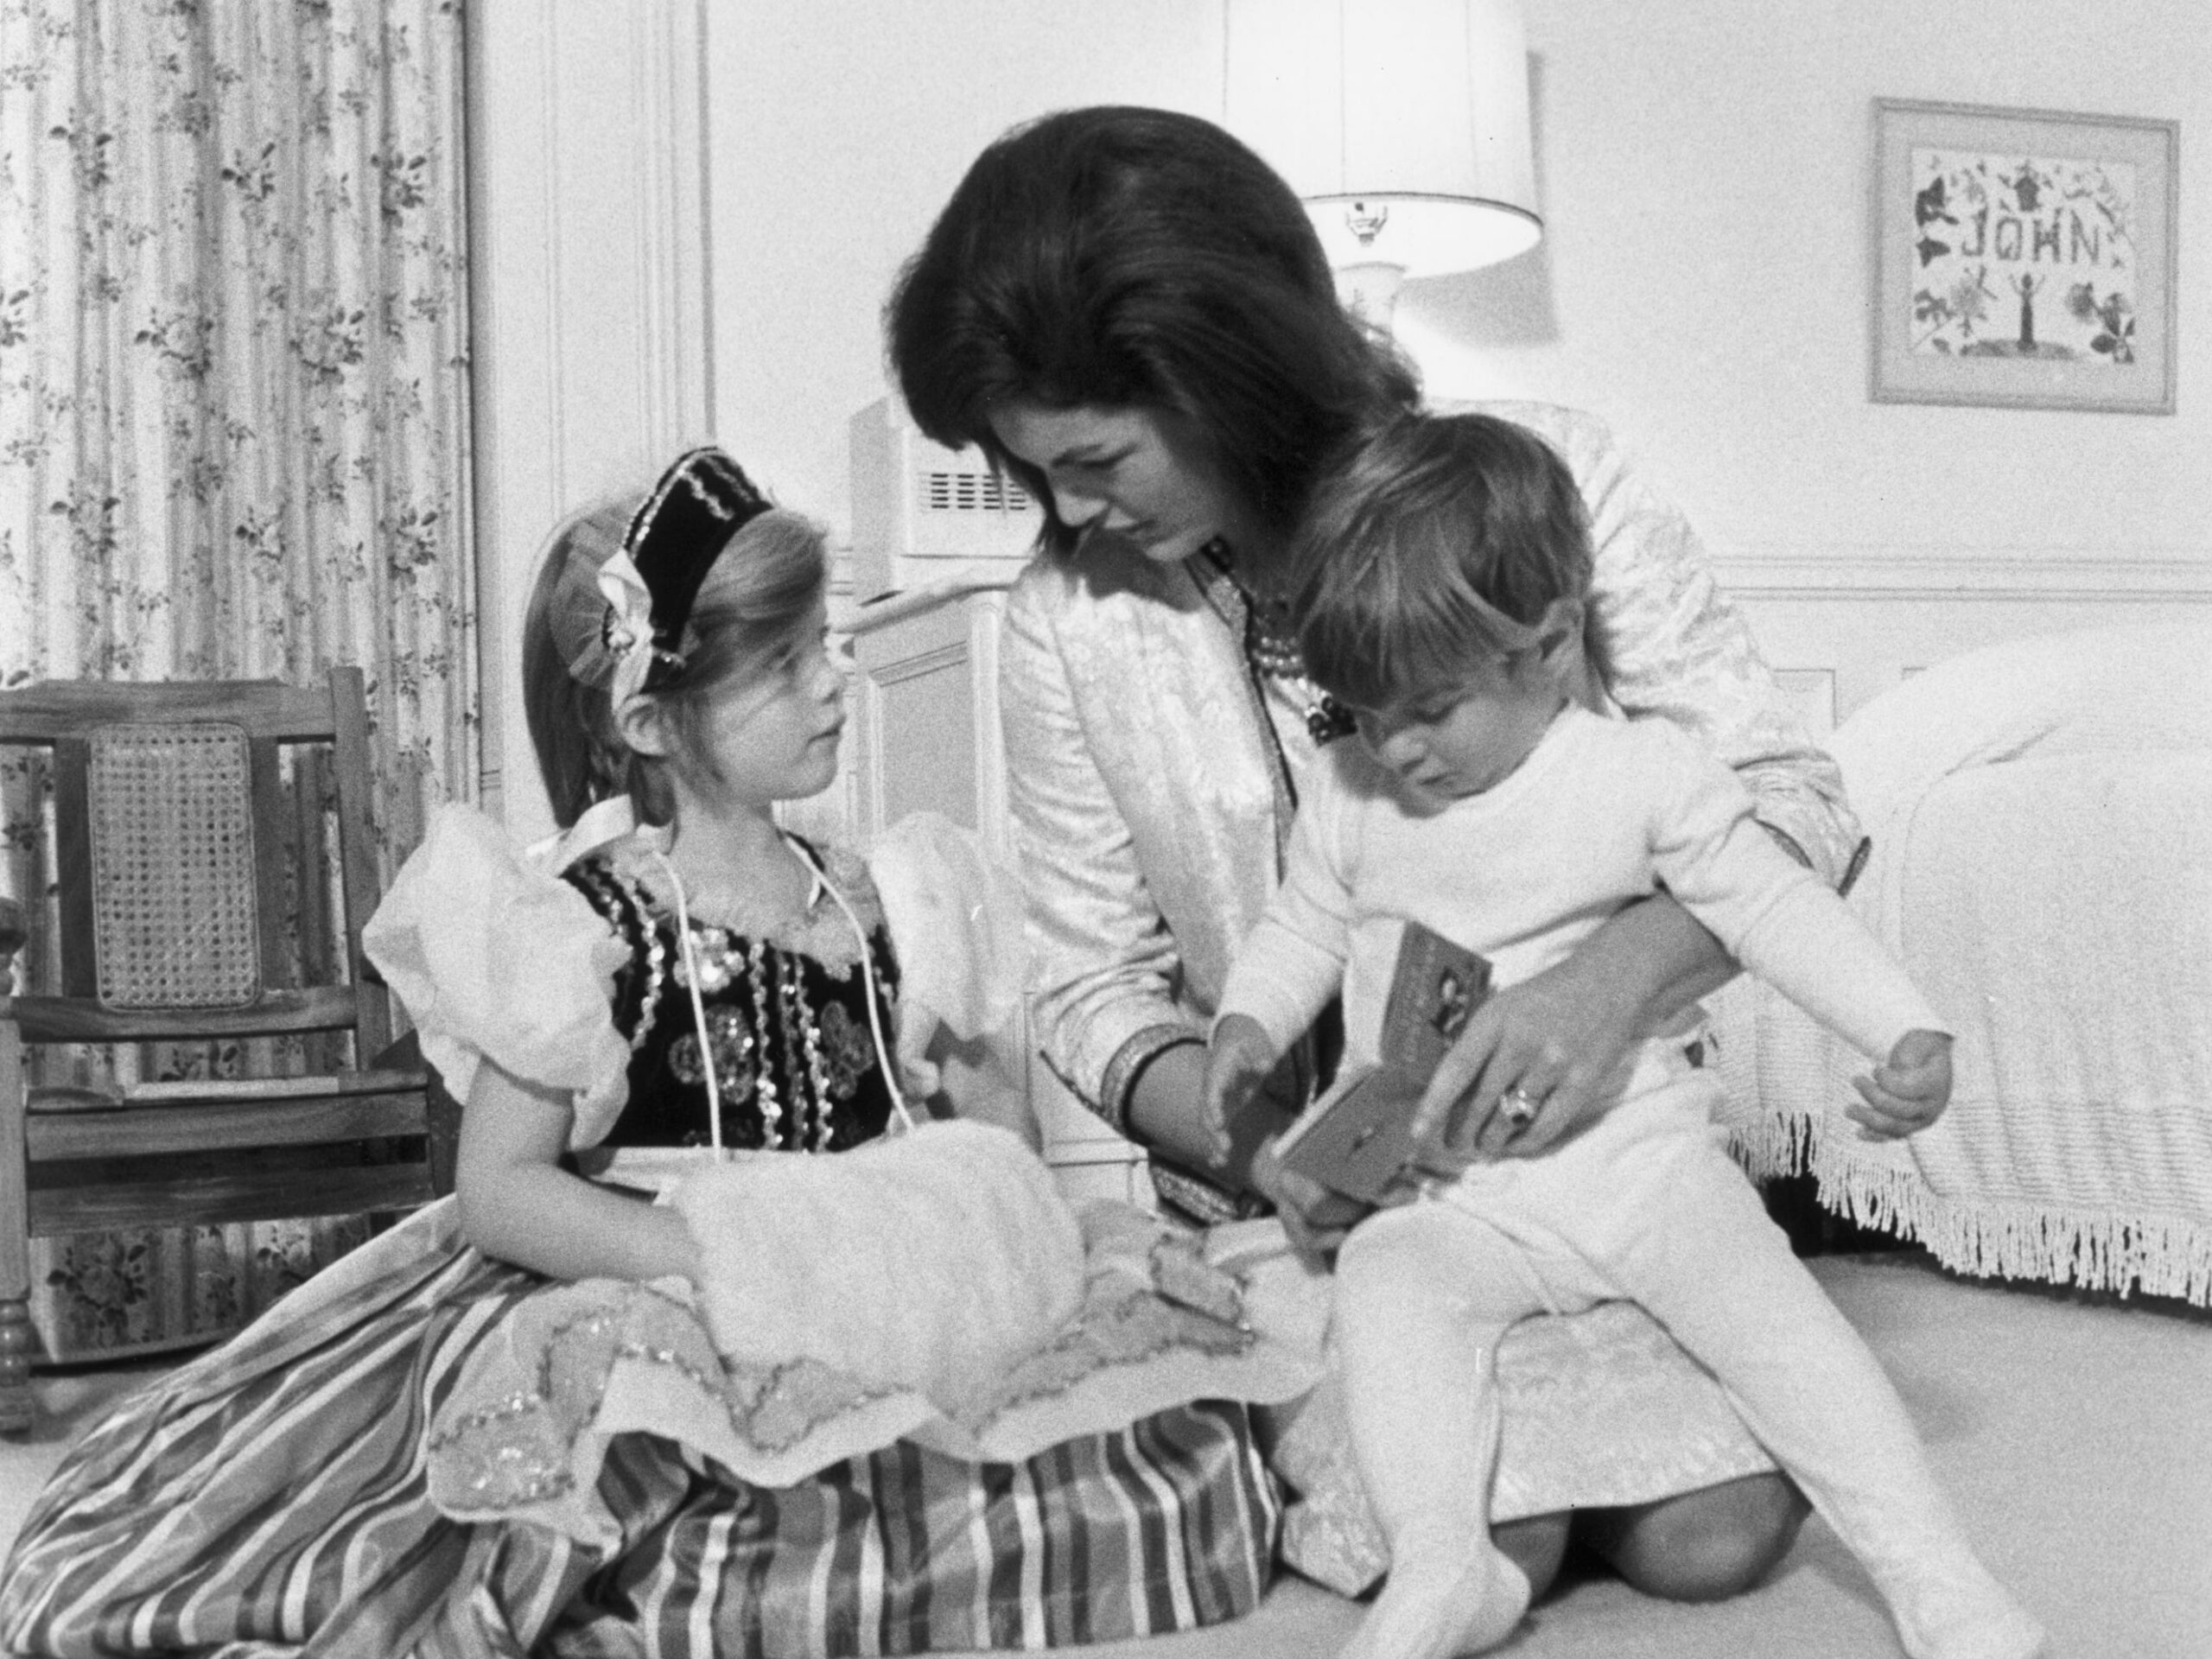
(1271, 648)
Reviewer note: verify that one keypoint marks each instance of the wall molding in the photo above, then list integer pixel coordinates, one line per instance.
(1886, 573)
(667, 50)
(1840, 628)
(588, 288)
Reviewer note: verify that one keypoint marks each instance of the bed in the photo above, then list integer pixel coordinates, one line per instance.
(2041, 813)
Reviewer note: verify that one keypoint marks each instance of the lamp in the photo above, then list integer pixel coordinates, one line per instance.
(1403, 124)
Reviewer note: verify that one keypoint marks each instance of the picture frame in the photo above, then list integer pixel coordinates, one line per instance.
(2023, 258)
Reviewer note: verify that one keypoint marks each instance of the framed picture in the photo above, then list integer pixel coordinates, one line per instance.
(2023, 258)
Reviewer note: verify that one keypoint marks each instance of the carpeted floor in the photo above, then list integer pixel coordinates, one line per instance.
(2075, 1436)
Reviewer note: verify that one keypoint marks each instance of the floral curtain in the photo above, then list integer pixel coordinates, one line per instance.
(233, 439)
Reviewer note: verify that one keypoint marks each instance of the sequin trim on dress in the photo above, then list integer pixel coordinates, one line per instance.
(514, 1452)
(772, 1105)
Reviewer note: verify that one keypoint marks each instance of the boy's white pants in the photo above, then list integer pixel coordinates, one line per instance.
(1645, 1206)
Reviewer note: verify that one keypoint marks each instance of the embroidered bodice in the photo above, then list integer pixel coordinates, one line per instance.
(787, 1014)
(560, 965)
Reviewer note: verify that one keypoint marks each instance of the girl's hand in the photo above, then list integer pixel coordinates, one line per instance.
(1238, 1060)
(1315, 1218)
(1908, 1093)
(1538, 1058)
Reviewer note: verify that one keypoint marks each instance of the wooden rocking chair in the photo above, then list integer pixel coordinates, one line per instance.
(170, 823)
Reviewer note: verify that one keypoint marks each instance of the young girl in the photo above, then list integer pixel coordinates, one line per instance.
(1444, 575)
(533, 1417)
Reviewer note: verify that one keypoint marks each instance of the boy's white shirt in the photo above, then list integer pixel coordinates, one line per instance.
(1603, 812)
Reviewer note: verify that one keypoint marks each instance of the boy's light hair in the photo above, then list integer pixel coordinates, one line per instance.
(1435, 545)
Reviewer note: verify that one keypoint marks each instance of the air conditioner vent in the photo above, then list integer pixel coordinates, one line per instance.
(970, 492)
(920, 509)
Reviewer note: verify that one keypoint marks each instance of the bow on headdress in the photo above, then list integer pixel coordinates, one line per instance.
(700, 501)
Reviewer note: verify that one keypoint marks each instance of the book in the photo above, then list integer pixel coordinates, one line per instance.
(1357, 1138)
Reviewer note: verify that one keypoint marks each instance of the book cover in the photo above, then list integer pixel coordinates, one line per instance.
(1357, 1138)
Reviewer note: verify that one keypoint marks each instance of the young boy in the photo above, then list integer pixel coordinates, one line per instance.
(1442, 583)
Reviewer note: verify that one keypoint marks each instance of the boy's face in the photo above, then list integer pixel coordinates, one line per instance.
(1468, 738)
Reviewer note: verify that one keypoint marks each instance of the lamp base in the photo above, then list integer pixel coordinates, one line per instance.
(1369, 292)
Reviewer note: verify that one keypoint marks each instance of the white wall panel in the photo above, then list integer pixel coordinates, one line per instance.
(588, 284)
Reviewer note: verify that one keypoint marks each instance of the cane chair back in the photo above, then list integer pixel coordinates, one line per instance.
(182, 866)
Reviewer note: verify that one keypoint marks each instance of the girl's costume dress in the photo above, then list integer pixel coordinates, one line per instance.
(427, 1451)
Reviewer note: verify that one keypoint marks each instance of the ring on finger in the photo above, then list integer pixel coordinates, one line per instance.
(1519, 1107)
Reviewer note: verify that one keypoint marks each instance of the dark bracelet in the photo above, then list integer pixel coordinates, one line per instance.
(1201, 1200)
(1852, 871)
(1118, 1087)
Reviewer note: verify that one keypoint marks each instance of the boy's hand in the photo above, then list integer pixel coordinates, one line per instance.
(1909, 1092)
(1238, 1060)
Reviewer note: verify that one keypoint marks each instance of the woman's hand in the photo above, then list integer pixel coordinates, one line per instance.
(1909, 1092)
(1539, 1057)
(1315, 1218)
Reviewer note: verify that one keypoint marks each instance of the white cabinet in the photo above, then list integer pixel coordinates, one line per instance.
(923, 734)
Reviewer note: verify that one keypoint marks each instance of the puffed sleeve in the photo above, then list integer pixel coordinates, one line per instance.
(496, 959)
(1678, 646)
(955, 916)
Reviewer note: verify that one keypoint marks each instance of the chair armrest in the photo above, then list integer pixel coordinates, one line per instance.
(13, 932)
(406, 1054)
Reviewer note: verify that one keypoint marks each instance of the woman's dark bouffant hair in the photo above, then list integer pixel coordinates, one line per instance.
(1135, 258)
(751, 612)
(1437, 543)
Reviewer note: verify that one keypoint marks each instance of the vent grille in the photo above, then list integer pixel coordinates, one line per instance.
(947, 492)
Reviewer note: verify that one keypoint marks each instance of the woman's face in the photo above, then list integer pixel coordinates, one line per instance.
(1128, 472)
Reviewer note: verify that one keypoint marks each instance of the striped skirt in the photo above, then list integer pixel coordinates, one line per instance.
(271, 1497)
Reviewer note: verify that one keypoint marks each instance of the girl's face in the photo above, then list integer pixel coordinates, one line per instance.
(1132, 472)
(774, 736)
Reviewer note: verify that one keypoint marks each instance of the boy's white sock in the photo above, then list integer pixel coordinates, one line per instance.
(1443, 1596)
(1963, 1618)
(1903, 1528)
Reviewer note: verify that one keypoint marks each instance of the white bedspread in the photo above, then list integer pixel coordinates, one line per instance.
(2042, 817)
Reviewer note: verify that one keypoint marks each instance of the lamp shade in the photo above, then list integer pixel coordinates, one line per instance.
(1403, 123)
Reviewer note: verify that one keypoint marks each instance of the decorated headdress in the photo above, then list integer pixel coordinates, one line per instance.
(647, 586)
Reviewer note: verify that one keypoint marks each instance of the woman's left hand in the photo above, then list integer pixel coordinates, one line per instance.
(1539, 1057)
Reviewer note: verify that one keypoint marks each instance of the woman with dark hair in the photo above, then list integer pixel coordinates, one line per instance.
(1131, 314)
